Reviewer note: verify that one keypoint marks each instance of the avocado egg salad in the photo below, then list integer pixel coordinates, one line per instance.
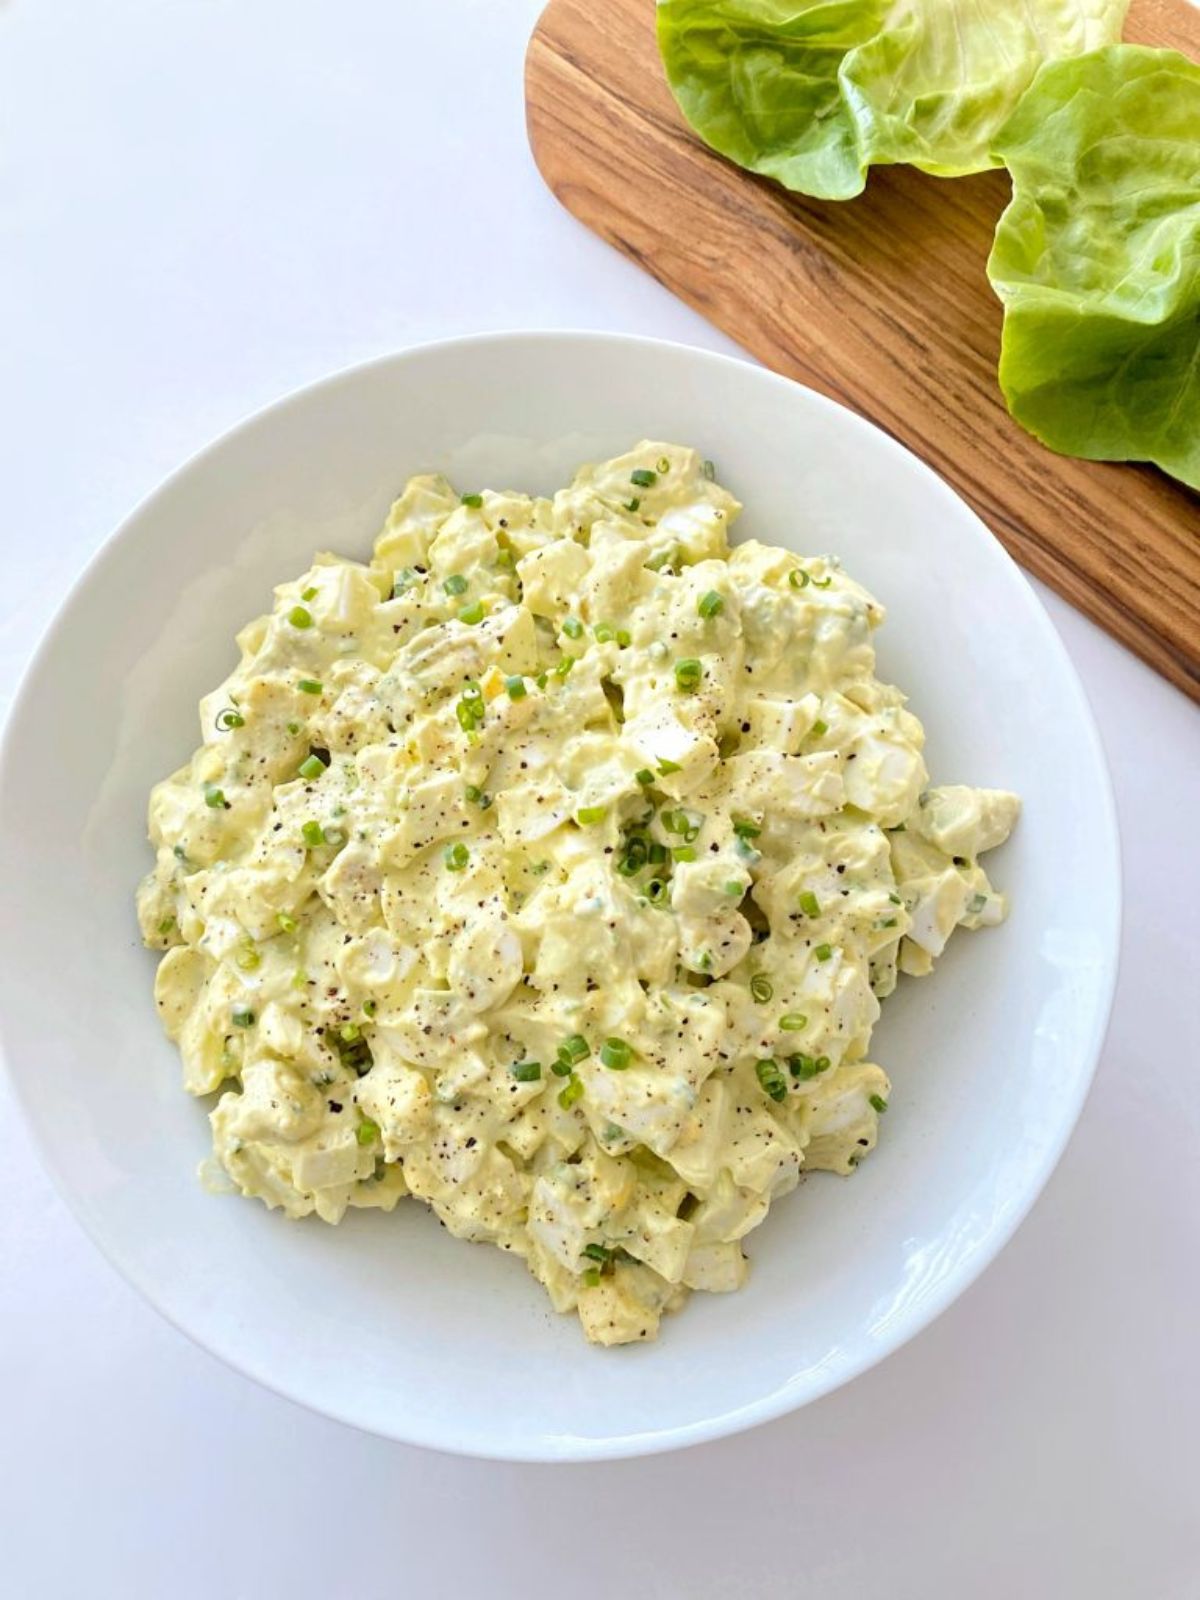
(551, 868)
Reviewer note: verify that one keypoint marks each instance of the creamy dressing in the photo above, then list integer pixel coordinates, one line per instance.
(551, 868)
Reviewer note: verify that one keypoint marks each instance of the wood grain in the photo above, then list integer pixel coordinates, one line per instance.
(881, 302)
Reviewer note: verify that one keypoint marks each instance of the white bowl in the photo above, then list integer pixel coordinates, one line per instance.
(386, 1321)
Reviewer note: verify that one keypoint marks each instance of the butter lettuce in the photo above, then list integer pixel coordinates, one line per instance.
(814, 92)
(1097, 259)
(759, 80)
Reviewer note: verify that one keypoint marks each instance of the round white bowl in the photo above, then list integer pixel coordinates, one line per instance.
(387, 1322)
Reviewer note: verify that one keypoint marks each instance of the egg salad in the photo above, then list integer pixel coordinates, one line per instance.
(551, 868)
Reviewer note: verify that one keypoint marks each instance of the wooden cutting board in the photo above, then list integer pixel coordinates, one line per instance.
(881, 302)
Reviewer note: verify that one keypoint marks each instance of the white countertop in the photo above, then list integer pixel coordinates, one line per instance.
(204, 204)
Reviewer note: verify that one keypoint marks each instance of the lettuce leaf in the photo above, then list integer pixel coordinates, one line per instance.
(934, 85)
(814, 92)
(759, 81)
(1097, 259)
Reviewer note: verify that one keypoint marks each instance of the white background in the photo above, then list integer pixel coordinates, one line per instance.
(204, 204)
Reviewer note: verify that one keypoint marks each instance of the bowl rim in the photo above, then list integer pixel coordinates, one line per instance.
(545, 1448)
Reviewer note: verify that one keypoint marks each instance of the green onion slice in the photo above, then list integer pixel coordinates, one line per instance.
(771, 1079)
(616, 1054)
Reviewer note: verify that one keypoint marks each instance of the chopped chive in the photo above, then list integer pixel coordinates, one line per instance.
(823, 952)
(515, 688)
(456, 856)
(616, 1054)
(455, 584)
(311, 767)
(736, 888)
(313, 834)
(367, 1131)
(590, 814)
(663, 464)
(506, 560)
(878, 1102)
(771, 1079)
(793, 1021)
(369, 1008)
(761, 988)
(576, 1048)
(229, 718)
(895, 899)
(643, 478)
(632, 505)
(977, 903)
(809, 904)
(310, 593)
(293, 728)
(402, 581)
(819, 728)
(656, 853)
(248, 956)
(656, 891)
(745, 829)
(798, 578)
(540, 680)
(572, 627)
(637, 853)
(310, 686)
(710, 604)
(822, 583)
(166, 925)
(572, 1091)
(709, 471)
(560, 1067)
(888, 922)
(472, 500)
(624, 638)
(604, 633)
(666, 767)
(683, 852)
(470, 710)
(471, 614)
(688, 673)
(598, 1252)
(242, 1017)
(299, 617)
(563, 668)
(527, 1071)
(214, 797)
(645, 777)
(591, 1278)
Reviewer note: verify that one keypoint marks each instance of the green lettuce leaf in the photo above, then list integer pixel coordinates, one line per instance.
(813, 92)
(1097, 259)
(934, 85)
(759, 81)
